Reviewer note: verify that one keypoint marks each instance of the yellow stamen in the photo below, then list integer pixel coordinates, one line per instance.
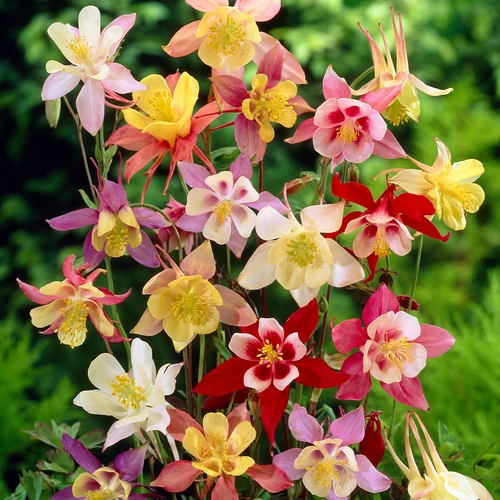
(223, 210)
(227, 36)
(325, 471)
(162, 104)
(397, 113)
(117, 238)
(381, 247)
(397, 352)
(80, 48)
(302, 250)
(127, 392)
(269, 354)
(74, 325)
(101, 494)
(461, 194)
(347, 133)
(271, 106)
(190, 308)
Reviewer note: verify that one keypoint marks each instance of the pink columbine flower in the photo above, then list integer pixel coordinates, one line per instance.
(117, 227)
(219, 205)
(91, 53)
(393, 348)
(66, 305)
(329, 468)
(350, 129)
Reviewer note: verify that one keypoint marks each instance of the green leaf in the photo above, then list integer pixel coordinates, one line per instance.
(223, 157)
(87, 200)
(33, 484)
(93, 439)
(221, 347)
(45, 434)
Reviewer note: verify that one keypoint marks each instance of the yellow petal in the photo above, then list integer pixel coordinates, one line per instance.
(241, 437)
(44, 315)
(106, 223)
(215, 424)
(259, 82)
(464, 172)
(145, 98)
(194, 442)
(238, 466)
(163, 131)
(127, 216)
(266, 131)
(185, 96)
(136, 119)
(287, 89)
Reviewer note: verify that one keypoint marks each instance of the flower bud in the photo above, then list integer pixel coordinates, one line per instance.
(297, 185)
(353, 173)
(52, 112)
(372, 446)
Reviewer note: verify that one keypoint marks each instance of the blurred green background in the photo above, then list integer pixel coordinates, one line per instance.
(450, 43)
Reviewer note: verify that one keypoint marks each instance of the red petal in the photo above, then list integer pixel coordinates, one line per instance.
(272, 406)
(409, 392)
(424, 226)
(381, 302)
(269, 477)
(303, 321)
(225, 378)
(412, 204)
(352, 191)
(232, 89)
(179, 422)
(359, 383)
(225, 489)
(372, 264)
(219, 402)
(314, 372)
(176, 476)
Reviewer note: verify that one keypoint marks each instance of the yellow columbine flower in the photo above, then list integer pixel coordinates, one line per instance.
(449, 186)
(166, 115)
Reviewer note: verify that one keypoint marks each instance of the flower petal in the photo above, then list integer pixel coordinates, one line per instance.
(285, 460)
(303, 426)
(176, 476)
(349, 427)
(58, 85)
(436, 340)
(408, 391)
(270, 477)
(90, 105)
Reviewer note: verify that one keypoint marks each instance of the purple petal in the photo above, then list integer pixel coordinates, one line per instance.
(130, 463)
(241, 167)
(145, 253)
(389, 147)
(192, 223)
(334, 86)
(369, 478)
(381, 302)
(64, 494)
(90, 106)
(113, 195)
(80, 454)
(303, 426)
(266, 199)
(58, 84)
(436, 340)
(194, 175)
(73, 220)
(285, 462)
(92, 256)
(408, 391)
(149, 218)
(232, 89)
(271, 65)
(349, 335)
(349, 427)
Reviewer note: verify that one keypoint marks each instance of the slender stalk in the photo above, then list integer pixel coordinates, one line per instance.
(362, 76)
(201, 368)
(189, 380)
(323, 325)
(228, 258)
(261, 176)
(417, 269)
(231, 402)
(393, 416)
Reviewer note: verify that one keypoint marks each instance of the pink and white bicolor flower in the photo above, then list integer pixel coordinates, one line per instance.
(350, 129)
(91, 53)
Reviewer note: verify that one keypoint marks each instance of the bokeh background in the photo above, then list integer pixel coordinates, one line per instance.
(450, 43)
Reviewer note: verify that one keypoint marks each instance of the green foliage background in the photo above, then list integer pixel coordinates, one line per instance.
(450, 43)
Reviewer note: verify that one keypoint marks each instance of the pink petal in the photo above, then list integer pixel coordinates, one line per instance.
(272, 64)
(207, 5)
(179, 422)
(232, 89)
(236, 416)
(245, 346)
(349, 427)
(303, 426)
(236, 242)
(184, 42)
(235, 310)
(399, 240)
(149, 218)
(241, 167)
(225, 489)
(194, 175)
(349, 335)
(359, 383)
(364, 243)
(266, 199)
(120, 80)
(270, 330)
(259, 377)
(285, 461)
(193, 224)
(369, 478)
(408, 391)
(92, 256)
(329, 114)
(34, 294)
(270, 477)
(360, 150)
(125, 22)
(260, 10)
(145, 253)
(176, 476)
(143, 157)
(58, 84)
(200, 261)
(381, 98)
(130, 138)
(304, 132)
(246, 133)
(334, 86)
(90, 106)
(300, 105)
(74, 220)
(284, 375)
(325, 143)
(293, 349)
(110, 298)
(389, 147)
(381, 302)
(436, 340)
(204, 117)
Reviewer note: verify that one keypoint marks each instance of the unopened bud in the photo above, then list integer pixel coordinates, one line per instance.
(353, 173)
(322, 305)
(372, 446)
(386, 278)
(52, 112)
(335, 361)
(297, 185)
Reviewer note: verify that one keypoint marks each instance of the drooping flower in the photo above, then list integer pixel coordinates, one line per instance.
(219, 205)
(185, 304)
(298, 256)
(449, 186)
(114, 482)
(116, 227)
(66, 305)
(136, 399)
(329, 468)
(372, 445)
(407, 104)
(437, 483)
(393, 348)
(269, 358)
(216, 448)
(91, 53)
(350, 129)
(385, 221)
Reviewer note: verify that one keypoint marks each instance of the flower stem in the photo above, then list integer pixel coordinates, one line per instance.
(417, 269)
(188, 357)
(362, 76)
(228, 258)
(323, 325)
(393, 416)
(201, 368)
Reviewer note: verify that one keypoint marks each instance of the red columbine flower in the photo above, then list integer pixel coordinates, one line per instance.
(268, 359)
(372, 445)
(385, 221)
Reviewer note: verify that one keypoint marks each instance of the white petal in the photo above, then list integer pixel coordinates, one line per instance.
(271, 224)
(221, 183)
(346, 270)
(142, 363)
(244, 219)
(214, 231)
(103, 370)
(89, 23)
(243, 191)
(258, 273)
(323, 218)
(98, 403)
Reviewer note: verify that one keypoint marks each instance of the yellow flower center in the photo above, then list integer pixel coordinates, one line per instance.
(101, 494)
(302, 250)
(347, 133)
(325, 471)
(190, 308)
(269, 354)
(461, 194)
(74, 327)
(381, 247)
(397, 351)
(117, 239)
(218, 450)
(397, 113)
(271, 106)
(127, 392)
(161, 101)
(80, 48)
(226, 35)
(223, 210)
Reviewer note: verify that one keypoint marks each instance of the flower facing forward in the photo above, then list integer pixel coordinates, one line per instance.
(407, 104)
(216, 449)
(185, 304)
(136, 399)
(329, 468)
(91, 53)
(449, 186)
(102, 483)
(393, 348)
(437, 483)
(298, 256)
(116, 227)
(66, 305)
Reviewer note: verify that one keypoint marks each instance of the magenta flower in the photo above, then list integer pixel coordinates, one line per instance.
(350, 129)
(393, 348)
(219, 205)
(117, 227)
(329, 468)
(91, 53)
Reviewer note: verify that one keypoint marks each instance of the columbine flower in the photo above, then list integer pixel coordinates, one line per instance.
(393, 348)
(372, 445)
(216, 448)
(269, 358)
(349, 129)
(407, 104)
(438, 483)
(117, 227)
(102, 483)
(329, 468)
(90, 53)
(450, 187)
(175, 210)
(219, 205)
(136, 399)
(385, 222)
(67, 304)
(185, 304)
(298, 256)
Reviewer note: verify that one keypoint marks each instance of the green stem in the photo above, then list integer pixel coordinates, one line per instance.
(393, 417)
(361, 77)
(323, 325)
(231, 402)
(189, 381)
(201, 368)
(228, 258)
(417, 269)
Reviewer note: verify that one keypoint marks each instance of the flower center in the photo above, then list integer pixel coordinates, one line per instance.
(302, 250)
(461, 194)
(325, 471)
(271, 106)
(74, 327)
(127, 392)
(347, 133)
(269, 354)
(80, 48)
(227, 35)
(101, 494)
(397, 352)
(189, 308)
(218, 449)
(222, 210)
(381, 247)
(117, 238)
(397, 113)
(163, 109)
